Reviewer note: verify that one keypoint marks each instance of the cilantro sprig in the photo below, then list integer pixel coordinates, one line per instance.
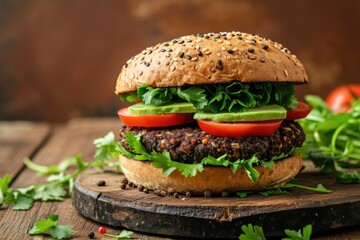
(332, 140)
(50, 225)
(225, 97)
(251, 232)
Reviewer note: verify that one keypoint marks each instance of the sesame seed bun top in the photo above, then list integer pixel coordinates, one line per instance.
(211, 58)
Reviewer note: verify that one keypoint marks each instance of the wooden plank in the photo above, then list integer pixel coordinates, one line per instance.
(216, 217)
(19, 140)
(74, 138)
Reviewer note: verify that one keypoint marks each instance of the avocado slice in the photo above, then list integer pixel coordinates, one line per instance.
(269, 112)
(142, 109)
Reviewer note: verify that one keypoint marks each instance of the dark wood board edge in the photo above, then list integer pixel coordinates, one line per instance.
(101, 208)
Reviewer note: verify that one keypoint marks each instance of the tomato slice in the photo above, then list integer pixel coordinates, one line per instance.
(301, 111)
(161, 120)
(340, 98)
(240, 129)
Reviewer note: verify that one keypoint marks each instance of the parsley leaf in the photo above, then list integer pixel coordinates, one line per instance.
(4, 187)
(125, 234)
(22, 202)
(50, 225)
(252, 233)
(255, 232)
(305, 234)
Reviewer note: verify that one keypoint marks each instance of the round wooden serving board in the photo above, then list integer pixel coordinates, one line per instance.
(216, 217)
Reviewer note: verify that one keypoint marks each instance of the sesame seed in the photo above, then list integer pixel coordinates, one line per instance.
(125, 66)
(240, 38)
(143, 52)
(181, 42)
(262, 60)
(150, 51)
(253, 41)
(265, 47)
(162, 50)
(167, 55)
(158, 62)
(188, 57)
(141, 73)
(172, 68)
(217, 37)
(169, 50)
(166, 44)
(286, 72)
(198, 40)
(189, 40)
(197, 47)
(207, 52)
(220, 41)
(223, 34)
(196, 67)
(252, 57)
(219, 67)
(174, 41)
(181, 54)
(132, 76)
(230, 51)
(223, 48)
(147, 64)
(182, 62)
(219, 62)
(235, 49)
(251, 50)
(194, 59)
(200, 53)
(207, 37)
(227, 42)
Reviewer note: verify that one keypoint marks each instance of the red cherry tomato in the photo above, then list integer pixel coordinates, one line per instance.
(301, 111)
(102, 230)
(341, 97)
(240, 129)
(161, 120)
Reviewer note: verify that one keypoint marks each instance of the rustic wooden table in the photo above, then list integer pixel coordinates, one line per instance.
(46, 144)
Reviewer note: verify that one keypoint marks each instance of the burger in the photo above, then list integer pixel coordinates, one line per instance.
(213, 114)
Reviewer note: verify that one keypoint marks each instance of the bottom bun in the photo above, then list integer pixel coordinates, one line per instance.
(215, 179)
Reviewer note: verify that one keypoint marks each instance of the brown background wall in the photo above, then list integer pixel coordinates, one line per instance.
(60, 59)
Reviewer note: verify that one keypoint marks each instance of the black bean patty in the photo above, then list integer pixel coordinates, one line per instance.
(188, 144)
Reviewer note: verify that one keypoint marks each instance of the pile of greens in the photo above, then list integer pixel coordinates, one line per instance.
(333, 140)
(226, 97)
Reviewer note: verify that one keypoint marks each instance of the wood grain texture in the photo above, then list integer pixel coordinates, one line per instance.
(74, 138)
(216, 217)
(17, 141)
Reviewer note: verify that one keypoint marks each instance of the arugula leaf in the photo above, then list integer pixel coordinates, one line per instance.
(243, 194)
(224, 97)
(160, 160)
(319, 188)
(252, 233)
(305, 234)
(332, 140)
(50, 225)
(194, 95)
